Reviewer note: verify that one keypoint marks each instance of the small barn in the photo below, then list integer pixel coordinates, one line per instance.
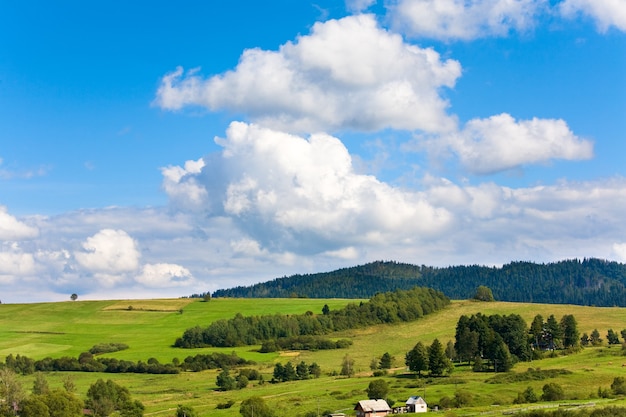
(416, 405)
(372, 408)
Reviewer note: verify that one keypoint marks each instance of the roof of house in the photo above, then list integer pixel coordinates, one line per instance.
(415, 400)
(372, 406)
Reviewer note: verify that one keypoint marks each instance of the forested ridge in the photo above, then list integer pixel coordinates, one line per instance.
(582, 282)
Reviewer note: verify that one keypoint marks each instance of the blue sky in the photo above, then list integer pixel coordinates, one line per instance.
(148, 150)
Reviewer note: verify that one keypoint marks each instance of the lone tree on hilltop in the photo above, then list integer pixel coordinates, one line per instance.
(74, 297)
(483, 293)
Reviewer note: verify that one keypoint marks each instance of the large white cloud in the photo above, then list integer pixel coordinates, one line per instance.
(463, 19)
(500, 143)
(13, 229)
(292, 192)
(15, 263)
(109, 253)
(347, 73)
(606, 13)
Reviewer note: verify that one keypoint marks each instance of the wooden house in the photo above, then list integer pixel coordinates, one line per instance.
(372, 408)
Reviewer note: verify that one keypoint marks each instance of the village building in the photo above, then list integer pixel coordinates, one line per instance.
(372, 408)
(416, 405)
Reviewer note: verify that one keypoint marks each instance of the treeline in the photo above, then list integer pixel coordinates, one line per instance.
(87, 363)
(303, 343)
(500, 340)
(390, 307)
(581, 282)
(503, 340)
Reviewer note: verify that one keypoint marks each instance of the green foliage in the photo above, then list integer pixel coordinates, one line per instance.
(417, 358)
(34, 407)
(618, 386)
(215, 360)
(612, 337)
(582, 282)
(226, 405)
(438, 363)
(20, 364)
(107, 348)
(500, 339)
(347, 366)
(386, 361)
(527, 396)
(531, 374)
(255, 407)
(483, 293)
(186, 411)
(303, 343)
(103, 398)
(391, 307)
(11, 391)
(377, 389)
(463, 398)
(595, 338)
(552, 392)
(585, 340)
(40, 385)
(225, 381)
(571, 336)
(62, 404)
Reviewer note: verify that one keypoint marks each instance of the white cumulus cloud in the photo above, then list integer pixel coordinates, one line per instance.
(606, 13)
(500, 143)
(180, 182)
(14, 263)
(347, 73)
(287, 191)
(164, 275)
(13, 229)
(463, 19)
(109, 252)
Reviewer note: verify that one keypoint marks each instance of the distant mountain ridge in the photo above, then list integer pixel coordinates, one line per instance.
(583, 282)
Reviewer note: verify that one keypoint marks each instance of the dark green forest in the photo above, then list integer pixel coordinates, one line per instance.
(583, 282)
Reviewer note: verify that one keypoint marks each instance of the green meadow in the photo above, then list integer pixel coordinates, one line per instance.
(149, 328)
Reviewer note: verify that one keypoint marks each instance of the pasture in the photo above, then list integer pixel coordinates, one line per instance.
(149, 328)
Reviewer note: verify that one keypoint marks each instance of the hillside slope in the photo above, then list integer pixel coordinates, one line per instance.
(582, 282)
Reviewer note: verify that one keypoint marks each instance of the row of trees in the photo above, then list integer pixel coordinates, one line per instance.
(595, 340)
(304, 343)
(501, 340)
(391, 307)
(553, 334)
(86, 362)
(432, 358)
(288, 372)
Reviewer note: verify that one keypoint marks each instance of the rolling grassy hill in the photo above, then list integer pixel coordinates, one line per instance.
(151, 326)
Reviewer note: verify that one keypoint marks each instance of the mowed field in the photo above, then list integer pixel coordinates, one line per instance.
(150, 327)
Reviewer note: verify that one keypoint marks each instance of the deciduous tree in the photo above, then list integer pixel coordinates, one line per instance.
(377, 389)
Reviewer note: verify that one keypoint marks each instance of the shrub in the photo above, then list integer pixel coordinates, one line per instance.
(552, 392)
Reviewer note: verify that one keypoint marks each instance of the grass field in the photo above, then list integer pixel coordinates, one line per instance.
(149, 328)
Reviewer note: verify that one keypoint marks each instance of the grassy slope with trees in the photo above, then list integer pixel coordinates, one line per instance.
(149, 329)
(587, 282)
